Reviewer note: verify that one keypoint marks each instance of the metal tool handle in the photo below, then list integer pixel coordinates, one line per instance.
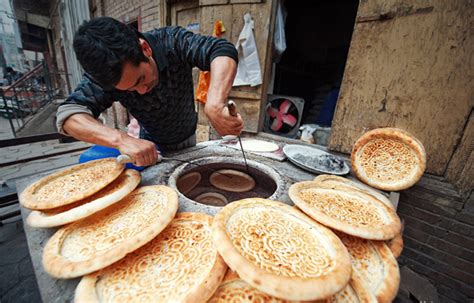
(159, 158)
(232, 108)
(122, 159)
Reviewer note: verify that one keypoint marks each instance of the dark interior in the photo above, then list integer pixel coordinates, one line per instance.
(318, 35)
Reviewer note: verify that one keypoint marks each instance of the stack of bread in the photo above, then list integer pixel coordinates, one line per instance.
(129, 244)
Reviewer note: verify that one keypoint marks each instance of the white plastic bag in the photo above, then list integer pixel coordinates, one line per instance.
(279, 38)
(248, 70)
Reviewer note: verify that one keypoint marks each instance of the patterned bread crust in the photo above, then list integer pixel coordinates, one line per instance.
(235, 290)
(396, 245)
(179, 265)
(234, 180)
(71, 185)
(107, 236)
(337, 180)
(401, 159)
(111, 194)
(352, 212)
(280, 251)
(356, 291)
(374, 263)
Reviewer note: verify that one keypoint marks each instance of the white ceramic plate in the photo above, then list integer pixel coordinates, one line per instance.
(315, 160)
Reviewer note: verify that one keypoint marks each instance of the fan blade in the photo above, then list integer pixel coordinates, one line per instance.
(285, 107)
(290, 120)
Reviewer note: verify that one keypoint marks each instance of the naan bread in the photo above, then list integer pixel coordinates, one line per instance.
(259, 146)
(354, 213)
(374, 263)
(356, 291)
(235, 290)
(188, 182)
(211, 198)
(71, 185)
(388, 159)
(336, 180)
(107, 236)
(180, 265)
(396, 245)
(280, 251)
(232, 180)
(111, 194)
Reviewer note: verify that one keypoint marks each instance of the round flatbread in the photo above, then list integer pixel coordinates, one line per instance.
(180, 265)
(237, 290)
(232, 180)
(107, 236)
(356, 291)
(280, 251)
(215, 199)
(336, 180)
(388, 159)
(71, 185)
(259, 146)
(112, 193)
(396, 245)
(354, 213)
(374, 263)
(188, 182)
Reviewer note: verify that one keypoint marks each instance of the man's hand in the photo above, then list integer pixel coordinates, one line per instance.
(222, 120)
(142, 152)
(223, 71)
(85, 128)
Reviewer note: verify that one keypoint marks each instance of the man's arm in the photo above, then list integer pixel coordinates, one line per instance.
(86, 128)
(77, 117)
(220, 57)
(223, 71)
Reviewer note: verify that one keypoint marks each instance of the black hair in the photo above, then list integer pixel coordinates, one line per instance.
(103, 45)
(9, 69)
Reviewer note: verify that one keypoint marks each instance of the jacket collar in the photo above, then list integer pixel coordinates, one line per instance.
(159, 54)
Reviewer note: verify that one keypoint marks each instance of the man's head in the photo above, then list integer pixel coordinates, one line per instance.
(9, 69)
(114, 55)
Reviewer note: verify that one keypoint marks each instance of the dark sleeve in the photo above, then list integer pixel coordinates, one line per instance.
(198, 50)
(90, 95)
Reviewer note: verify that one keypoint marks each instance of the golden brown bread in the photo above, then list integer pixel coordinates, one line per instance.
(71, 185)
(280, 251)
(389, 159)
(107, 236)
(180, 265)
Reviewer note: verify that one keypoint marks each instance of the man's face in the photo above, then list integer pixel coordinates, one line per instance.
(141, 78)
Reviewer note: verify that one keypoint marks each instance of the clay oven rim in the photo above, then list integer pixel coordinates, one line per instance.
(265, 168)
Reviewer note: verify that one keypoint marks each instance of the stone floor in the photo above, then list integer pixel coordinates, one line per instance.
(17, 278)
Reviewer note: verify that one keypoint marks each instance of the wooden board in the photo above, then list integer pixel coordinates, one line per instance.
(413, 71)
(460, 170)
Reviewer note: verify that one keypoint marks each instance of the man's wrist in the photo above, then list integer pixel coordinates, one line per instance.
(117, 138)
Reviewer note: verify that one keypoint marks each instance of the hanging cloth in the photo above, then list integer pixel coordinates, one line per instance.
(205, 76)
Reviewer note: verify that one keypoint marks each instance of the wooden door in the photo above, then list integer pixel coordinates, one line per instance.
(410, 65)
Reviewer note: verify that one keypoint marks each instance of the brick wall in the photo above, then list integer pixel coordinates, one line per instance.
(146, 12)
(439, 237)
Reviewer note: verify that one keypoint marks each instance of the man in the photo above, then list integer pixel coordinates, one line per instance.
(12, 75)
(151, 75)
